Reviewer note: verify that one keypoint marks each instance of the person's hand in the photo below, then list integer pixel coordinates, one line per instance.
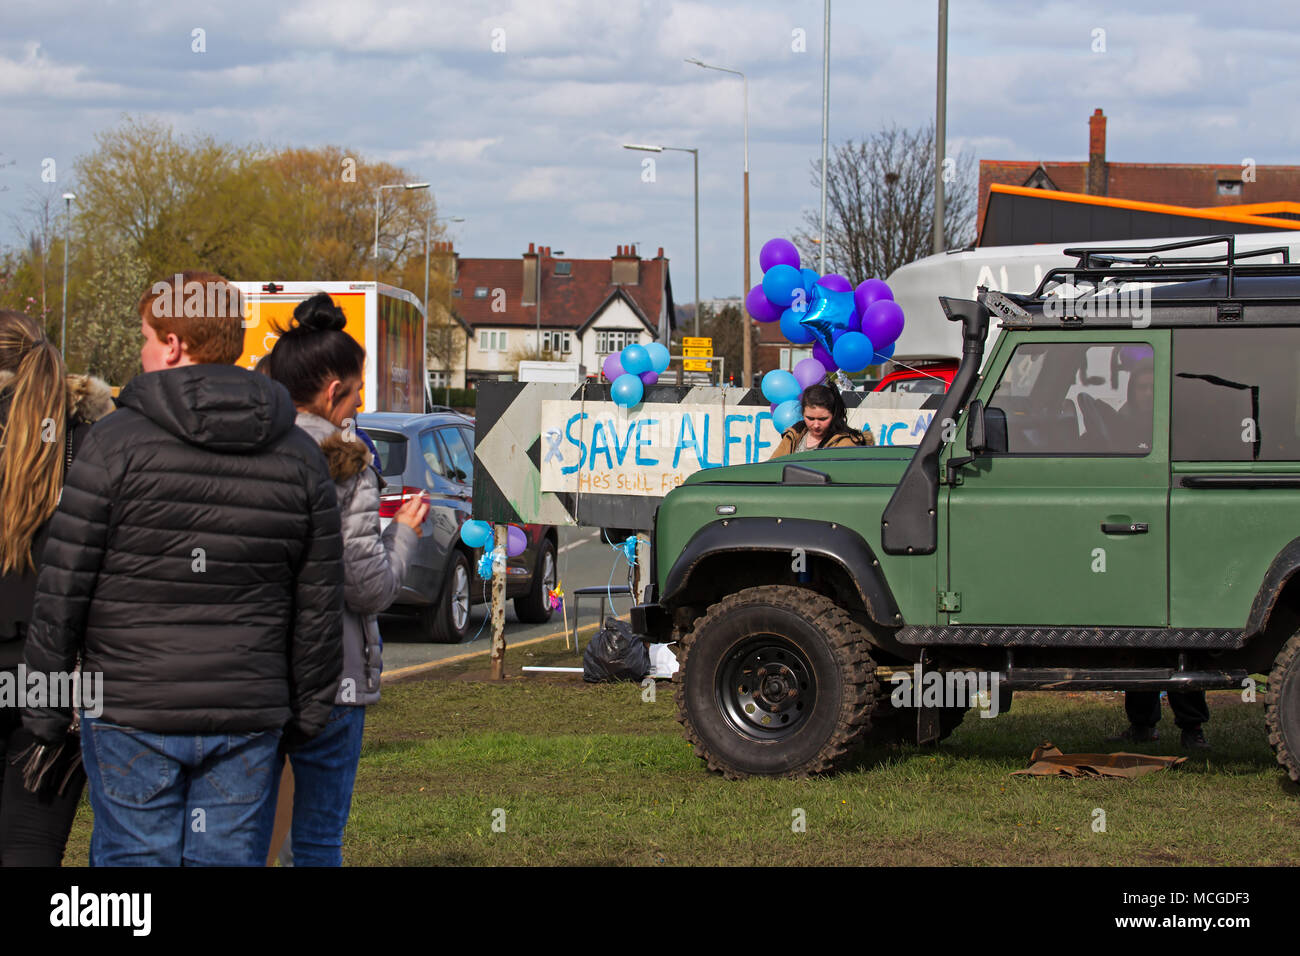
(412, 513)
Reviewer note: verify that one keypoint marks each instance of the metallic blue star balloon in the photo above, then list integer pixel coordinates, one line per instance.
(828, 313)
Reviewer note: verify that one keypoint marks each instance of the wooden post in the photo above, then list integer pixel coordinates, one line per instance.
(499, 609)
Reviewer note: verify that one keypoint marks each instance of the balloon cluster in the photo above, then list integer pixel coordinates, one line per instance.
(849, 328)
(478, 534)
(632, 369)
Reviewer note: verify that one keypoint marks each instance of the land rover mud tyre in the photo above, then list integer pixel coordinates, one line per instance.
(775, 681)
(1282, 707)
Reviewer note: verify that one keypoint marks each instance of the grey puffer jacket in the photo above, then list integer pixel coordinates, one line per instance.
(374, 564)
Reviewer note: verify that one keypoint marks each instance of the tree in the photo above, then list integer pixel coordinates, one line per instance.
(104, 326)
(880, 204)
(723, 326)
(176, 203)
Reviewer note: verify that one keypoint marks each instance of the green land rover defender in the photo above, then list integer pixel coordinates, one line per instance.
(1110, 499)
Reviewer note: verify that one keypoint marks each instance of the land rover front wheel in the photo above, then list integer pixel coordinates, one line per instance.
(775, 681)
(1282, 707)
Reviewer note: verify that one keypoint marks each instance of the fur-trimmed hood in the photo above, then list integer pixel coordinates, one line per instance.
(89, 398)
(347, 458)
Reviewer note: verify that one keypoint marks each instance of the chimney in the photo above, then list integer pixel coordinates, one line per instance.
(660, 253)
(1097, 175)
(625, 268)
(529, 296)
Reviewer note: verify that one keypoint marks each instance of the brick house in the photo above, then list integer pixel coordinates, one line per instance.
(586, 308)
(1206, 186)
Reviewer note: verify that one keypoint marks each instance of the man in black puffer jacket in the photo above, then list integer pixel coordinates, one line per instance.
(195, 562)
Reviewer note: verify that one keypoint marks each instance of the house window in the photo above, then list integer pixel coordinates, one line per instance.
(481, 292)
(561, 342)
(563, 268)
(1229, 187)
(614, 341)
(439, 379)
(792, 357)
(492, 340)
(456, 292)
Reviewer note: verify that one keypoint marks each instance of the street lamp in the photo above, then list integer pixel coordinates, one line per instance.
(67, 240)
(378, 193)
(744, 313)
(695, 154)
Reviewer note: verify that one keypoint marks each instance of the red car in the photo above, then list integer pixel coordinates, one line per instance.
(930, 378)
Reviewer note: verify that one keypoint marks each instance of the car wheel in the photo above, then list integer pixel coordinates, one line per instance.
(775, 681)
(1282, 707)
(535, 606)
(447, 621)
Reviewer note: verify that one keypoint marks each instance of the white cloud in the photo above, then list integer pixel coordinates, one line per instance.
(36, 75)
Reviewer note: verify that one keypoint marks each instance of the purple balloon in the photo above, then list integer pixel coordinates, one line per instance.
(516, 541)
(835, 282)
(772, 407)
(873, 290)
(650, 378)
(827, 360)
(612, 368)
(778, 252)
(760, 306)
(809, 371)
(883, 322)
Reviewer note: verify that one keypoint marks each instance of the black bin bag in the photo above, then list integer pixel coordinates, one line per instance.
(615, 654)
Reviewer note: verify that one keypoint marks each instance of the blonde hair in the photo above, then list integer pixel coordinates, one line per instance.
(31, 440)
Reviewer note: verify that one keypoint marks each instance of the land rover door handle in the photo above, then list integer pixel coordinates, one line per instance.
(1119, 527)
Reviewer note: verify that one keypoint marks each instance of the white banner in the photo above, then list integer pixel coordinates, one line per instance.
(602, 447)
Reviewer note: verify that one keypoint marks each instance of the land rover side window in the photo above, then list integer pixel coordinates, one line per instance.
(1078, 398)
(1236, 395)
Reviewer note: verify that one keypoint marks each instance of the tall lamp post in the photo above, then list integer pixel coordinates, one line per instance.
(67, 241)
(695, 153)
(744, 314)
(940, 123)
(429, 219)
(379, 191)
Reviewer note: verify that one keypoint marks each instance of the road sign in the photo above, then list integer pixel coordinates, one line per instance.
(697, 342)
(697, 352)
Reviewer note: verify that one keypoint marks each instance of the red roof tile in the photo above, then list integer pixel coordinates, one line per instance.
(567, 301)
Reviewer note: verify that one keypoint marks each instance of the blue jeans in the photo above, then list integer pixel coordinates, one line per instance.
(177, 799)
(324, 771)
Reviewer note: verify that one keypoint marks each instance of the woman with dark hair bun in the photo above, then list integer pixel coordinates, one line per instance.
(322, 367)
(825, 424)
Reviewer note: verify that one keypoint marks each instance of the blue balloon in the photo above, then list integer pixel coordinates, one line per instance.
(659, 356)
(635, 359)
(853, 352)
(476, 533)
(780, 386)
(627, 389)
(810, 278)
(779, 283)
(786, 414)
(830, 313)
(884, 355)
(793, 329)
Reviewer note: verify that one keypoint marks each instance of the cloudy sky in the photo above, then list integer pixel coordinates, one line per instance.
(523, 140)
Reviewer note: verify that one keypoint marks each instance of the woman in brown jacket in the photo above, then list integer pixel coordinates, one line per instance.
(825, 424)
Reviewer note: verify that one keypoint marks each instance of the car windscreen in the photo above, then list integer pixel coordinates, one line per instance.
(392, 451)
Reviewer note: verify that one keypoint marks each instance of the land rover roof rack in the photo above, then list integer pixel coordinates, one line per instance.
(1151, 263)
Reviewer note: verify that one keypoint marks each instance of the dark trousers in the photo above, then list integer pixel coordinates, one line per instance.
(1189, 707)
(33, 829)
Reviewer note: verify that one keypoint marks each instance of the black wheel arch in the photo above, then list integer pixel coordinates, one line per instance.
(837, 556)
